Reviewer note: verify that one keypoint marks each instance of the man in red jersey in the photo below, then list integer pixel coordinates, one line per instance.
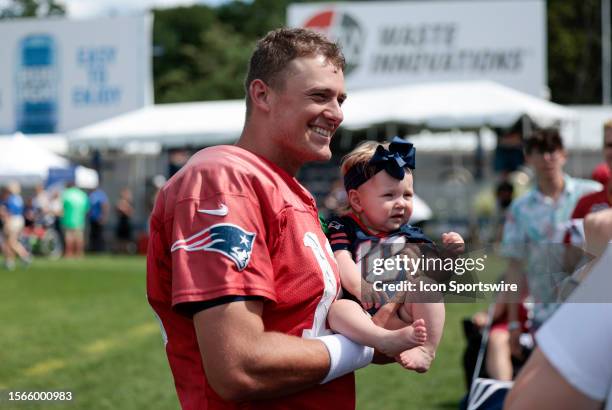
(598, 201)
(238, 269)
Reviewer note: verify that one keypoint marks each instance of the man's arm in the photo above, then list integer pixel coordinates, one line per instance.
(598, 231)
(243, 361)
(540, 386)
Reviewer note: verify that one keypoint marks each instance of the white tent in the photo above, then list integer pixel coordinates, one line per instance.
(169, 125)
(420, 210)
(25, 161)
(587, 131)
(453, 105)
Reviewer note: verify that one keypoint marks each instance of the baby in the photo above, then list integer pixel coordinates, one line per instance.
(378, 181)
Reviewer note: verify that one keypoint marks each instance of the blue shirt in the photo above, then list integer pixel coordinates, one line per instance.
(14, 205)
(97, 199)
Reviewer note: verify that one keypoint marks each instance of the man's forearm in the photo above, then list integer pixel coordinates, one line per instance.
(280, 364)
(243, 361)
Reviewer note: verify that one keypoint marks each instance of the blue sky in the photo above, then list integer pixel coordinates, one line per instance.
(99, 8)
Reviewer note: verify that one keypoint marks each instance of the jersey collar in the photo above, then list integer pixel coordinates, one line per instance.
(364, 228)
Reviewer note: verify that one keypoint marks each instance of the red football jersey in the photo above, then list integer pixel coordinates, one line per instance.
(593, 202)
(232, 223)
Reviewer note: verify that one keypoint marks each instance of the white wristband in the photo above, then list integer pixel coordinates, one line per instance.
(345, 356)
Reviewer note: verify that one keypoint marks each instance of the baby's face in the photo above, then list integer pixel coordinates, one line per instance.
(386, 202)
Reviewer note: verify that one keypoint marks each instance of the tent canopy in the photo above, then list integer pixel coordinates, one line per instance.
(25, 161)
(170, 125)
(452, 105)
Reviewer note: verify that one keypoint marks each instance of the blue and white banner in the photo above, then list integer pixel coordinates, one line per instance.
(57, 74)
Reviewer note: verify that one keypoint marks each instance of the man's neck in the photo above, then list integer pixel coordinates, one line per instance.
(250, 142)
(551, 187)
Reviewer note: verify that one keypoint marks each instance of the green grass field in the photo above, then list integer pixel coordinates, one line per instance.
(85, 327)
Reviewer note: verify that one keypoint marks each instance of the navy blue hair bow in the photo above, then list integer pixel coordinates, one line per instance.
(400, 154)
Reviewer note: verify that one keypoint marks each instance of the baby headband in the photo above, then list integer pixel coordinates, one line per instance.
(401, 154)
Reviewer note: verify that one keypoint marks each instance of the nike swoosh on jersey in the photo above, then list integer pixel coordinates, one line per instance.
(222, 211)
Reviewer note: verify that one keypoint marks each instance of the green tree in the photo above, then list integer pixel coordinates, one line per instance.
(574, 51)
(202, 53)
(198, 57)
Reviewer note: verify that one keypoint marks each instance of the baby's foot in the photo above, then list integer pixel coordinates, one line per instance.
(394, 342)
(418, 358)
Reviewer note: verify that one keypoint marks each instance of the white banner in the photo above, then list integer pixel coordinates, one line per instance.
(57, 75)
(388, 43)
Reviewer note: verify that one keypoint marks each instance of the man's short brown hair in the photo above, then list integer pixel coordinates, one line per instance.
(545, 140)
(278, 48)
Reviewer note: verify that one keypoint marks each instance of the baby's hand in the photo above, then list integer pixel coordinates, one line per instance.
(453, 242)
(372, 299)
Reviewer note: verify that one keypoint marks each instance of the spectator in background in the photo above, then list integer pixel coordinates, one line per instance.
(40, 202)
(13, 223)
(601, 173)
(534, 221)
(125, 211)
(600, 200)
(29, 213)
(99, 208)
(55, 212)
(75, 205)
(508, 156)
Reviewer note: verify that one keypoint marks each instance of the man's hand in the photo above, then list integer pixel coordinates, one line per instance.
(371, 298)
(598, 231)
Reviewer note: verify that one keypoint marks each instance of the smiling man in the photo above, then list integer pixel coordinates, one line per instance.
(238, 269)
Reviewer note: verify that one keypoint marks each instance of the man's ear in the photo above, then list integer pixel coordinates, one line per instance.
(260, 95)
(354, 200)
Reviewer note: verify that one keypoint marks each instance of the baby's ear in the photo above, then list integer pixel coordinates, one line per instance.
(354, 200)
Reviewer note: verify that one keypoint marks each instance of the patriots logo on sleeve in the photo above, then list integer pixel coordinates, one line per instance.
(335, 225)
(227, 239)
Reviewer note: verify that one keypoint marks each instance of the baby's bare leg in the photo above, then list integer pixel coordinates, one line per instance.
(420, 357)
(349, 319)
(387, 317)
